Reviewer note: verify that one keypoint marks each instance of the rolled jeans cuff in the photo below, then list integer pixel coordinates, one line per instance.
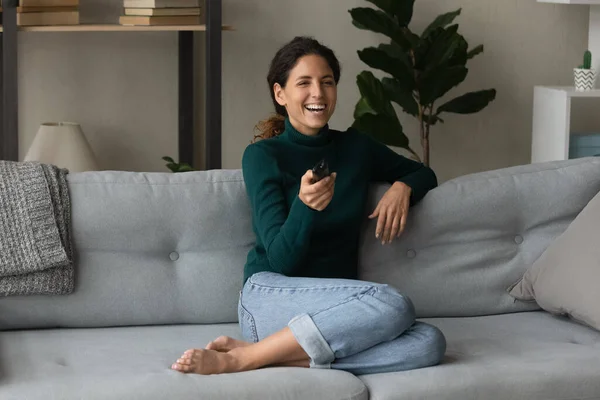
(312, 341)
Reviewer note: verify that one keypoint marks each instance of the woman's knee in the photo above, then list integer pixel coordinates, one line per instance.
(399, 310)
(266, 278)
(434, 343)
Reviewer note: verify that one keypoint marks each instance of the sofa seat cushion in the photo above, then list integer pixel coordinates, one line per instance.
(134, 363)
(529, 355)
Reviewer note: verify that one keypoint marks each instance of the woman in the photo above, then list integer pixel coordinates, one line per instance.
(301, 304)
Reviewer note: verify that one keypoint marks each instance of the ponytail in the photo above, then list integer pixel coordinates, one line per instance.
(270, 127)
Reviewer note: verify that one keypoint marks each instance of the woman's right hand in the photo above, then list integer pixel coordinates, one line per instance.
(316, 195)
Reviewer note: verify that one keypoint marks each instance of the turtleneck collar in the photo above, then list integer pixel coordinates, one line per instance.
(321, 138)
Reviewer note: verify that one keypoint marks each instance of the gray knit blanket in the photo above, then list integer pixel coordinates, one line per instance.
(35, 239)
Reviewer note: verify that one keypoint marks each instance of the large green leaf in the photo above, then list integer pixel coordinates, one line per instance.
(438, 81)
(362, 108)
(473, 52)
(384, 128)
(395, 51)
(374, 94)
(459, 56)
(402, 10)
(379, 22)
(380, 59)
(404, 98)
(442, 45)
(420, 52)
(441, 22)
(412, 38)
(389, 6)
(469, 103)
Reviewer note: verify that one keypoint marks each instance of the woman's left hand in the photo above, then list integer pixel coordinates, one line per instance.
(392, 211)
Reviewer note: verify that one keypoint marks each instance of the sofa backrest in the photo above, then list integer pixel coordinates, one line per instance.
(163, 248)
(150, 248)
(473, 237)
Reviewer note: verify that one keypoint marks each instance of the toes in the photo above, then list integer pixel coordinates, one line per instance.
(180, 366)
(177, 367)
(186, 368)
(184, 363)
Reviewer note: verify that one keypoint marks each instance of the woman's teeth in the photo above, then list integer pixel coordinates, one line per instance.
(315, 108)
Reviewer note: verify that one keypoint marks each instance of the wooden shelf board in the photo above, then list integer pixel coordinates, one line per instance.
(584, 2)
(115, 28)
(571, 92)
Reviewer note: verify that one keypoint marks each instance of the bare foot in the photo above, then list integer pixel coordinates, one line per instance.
(207, 362)
(225, 344)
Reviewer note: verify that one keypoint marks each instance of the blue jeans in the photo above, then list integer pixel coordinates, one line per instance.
(356, 326)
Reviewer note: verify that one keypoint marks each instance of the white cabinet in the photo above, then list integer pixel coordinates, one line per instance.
(552, 120)
(552, 104)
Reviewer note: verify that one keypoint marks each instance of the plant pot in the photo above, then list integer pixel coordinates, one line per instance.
(585, 79)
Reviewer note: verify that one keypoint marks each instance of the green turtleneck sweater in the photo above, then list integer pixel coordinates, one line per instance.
(291, 238)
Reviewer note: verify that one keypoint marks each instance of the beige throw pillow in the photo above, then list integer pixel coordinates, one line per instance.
(565, 280)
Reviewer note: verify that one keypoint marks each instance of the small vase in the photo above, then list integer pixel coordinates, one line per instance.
(585, 79)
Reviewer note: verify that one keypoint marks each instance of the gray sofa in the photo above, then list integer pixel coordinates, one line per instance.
(159, 261)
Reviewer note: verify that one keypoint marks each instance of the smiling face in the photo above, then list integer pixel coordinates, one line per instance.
(309, 95)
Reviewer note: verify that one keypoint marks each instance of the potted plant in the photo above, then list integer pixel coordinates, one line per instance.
(176, 167)
(422, 69)
(585, 75)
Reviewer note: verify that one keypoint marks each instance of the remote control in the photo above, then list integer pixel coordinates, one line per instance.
(320, 170)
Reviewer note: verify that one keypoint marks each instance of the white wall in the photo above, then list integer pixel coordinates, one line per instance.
(122, 87)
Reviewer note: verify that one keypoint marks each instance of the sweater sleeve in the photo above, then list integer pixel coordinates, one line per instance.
(285, 236)
(389, 166)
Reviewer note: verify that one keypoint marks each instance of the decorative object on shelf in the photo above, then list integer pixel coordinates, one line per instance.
(161, 12)
(423, 68)
(585, 75)
(62, 144)
(48, 12)
(584, 145)
(175, 167)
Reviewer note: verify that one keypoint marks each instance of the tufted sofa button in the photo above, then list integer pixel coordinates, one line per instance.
(174, 256)
(411, 253)
(518, 239)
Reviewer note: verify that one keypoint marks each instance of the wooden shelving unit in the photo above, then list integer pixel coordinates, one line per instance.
(115, 28)
(582, 2)
(9, 146)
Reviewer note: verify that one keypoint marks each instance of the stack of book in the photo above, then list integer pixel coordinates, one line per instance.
(48, 12)
(161, 12)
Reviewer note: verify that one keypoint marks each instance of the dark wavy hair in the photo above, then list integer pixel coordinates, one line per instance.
(284, 61)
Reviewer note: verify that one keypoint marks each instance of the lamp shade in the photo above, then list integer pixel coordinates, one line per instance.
(62, 144)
